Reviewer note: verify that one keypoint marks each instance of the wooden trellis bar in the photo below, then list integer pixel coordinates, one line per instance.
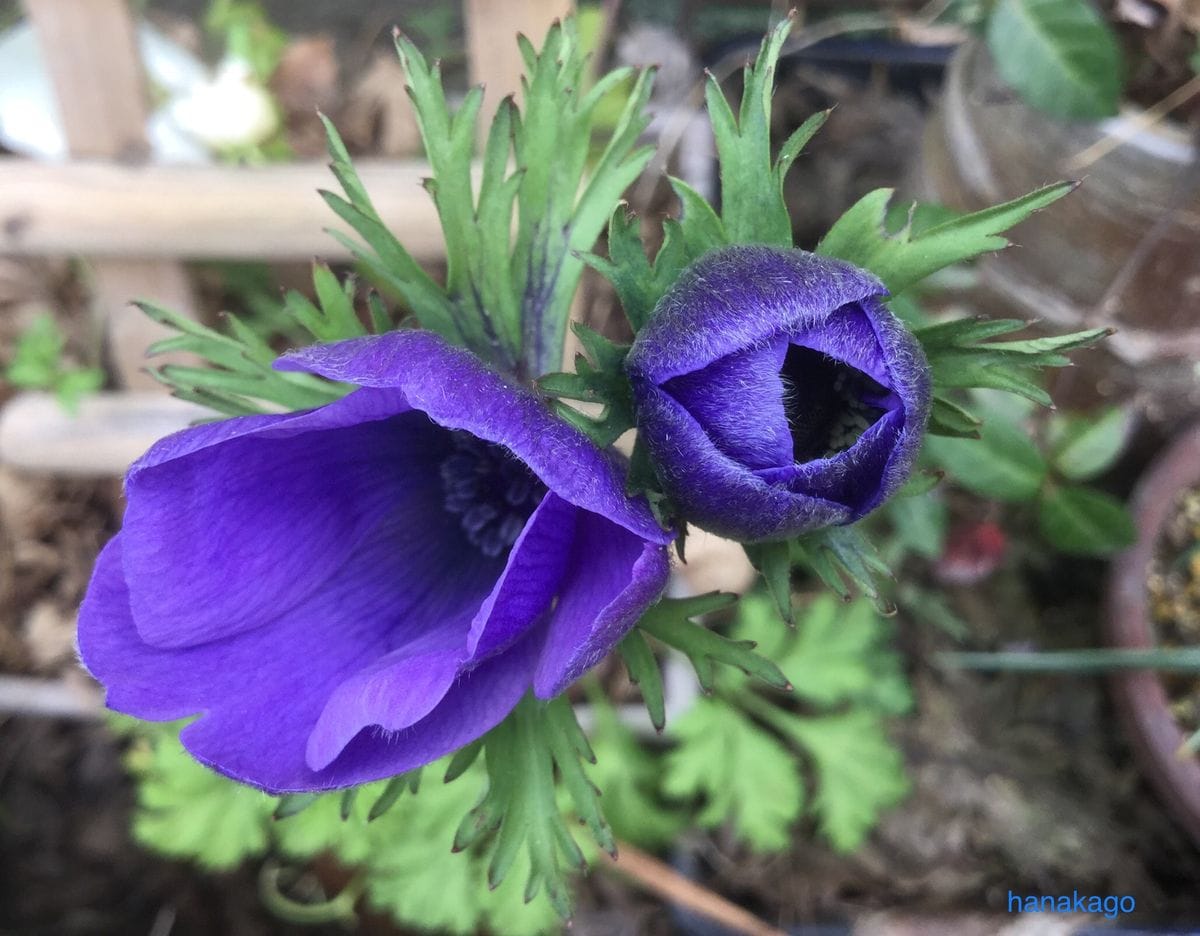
(106, 210)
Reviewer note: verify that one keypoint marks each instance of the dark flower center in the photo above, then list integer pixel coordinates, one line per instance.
(490, 491)
(829, 404)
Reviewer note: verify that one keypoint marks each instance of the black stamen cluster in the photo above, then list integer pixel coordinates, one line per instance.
(490, 491)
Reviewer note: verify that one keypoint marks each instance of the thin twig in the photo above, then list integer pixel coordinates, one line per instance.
(1143, 121)
(663, 880)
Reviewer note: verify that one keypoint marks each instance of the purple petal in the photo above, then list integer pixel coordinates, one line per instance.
(715, 491)
(281, 501)
(848, 336)
(530, 580)
(735, 299)
(855, 477)
(739, 401)
(611, 579)
(479, 701)
(394, 692)
(263, 690)
(458, 391)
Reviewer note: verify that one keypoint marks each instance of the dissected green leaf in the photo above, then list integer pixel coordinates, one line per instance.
(961, 356)
(752, 206)
(859, 773)
(519, 812)
(240, 378)
(386, 256)
(188, 811)
(599, 377)
(392, 791)
(964, 332)
(320, 827)
(700, 228)
(1083, 521)
(629, 776)
(838, 652)
(562, 208)
(904, 258)
(947, 418)
(744, 776)
(412, 873)
(1060, 55)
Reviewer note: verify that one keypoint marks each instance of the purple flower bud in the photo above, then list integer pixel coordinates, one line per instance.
(346, 593)
(776, 394)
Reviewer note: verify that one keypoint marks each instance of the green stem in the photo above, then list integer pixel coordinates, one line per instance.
(762, 709)
(335, 909)
(1079, 662)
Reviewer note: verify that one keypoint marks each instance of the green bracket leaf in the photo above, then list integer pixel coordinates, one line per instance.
(860, 236)
(599, 378)
(519, 806)
(670, 622)
(410, 781)
(841, 555)
(645, 674)
(240, 379)
(384, 256)
(774, 563)
(752, 206)
(961, 356)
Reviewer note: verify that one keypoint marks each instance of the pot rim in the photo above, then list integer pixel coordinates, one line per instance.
(1140, 696)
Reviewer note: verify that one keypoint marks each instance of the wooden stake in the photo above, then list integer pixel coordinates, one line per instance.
(492, 27)
(661, 879)
(91, 52)
(103, 210)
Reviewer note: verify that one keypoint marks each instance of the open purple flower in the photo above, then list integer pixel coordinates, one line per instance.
(353, 591)
(776, 394)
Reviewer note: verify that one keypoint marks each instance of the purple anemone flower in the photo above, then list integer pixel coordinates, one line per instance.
(349, 592)
(776, 394)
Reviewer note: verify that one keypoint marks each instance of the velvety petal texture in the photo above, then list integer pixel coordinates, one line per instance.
(346, 593)
(777, 394)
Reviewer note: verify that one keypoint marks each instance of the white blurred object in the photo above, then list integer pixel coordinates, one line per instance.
(677, 121)
(102, 439)
(231, 110)
(203, 112)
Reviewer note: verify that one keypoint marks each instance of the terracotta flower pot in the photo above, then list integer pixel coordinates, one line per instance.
(1140, 695)
(1121, 251)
